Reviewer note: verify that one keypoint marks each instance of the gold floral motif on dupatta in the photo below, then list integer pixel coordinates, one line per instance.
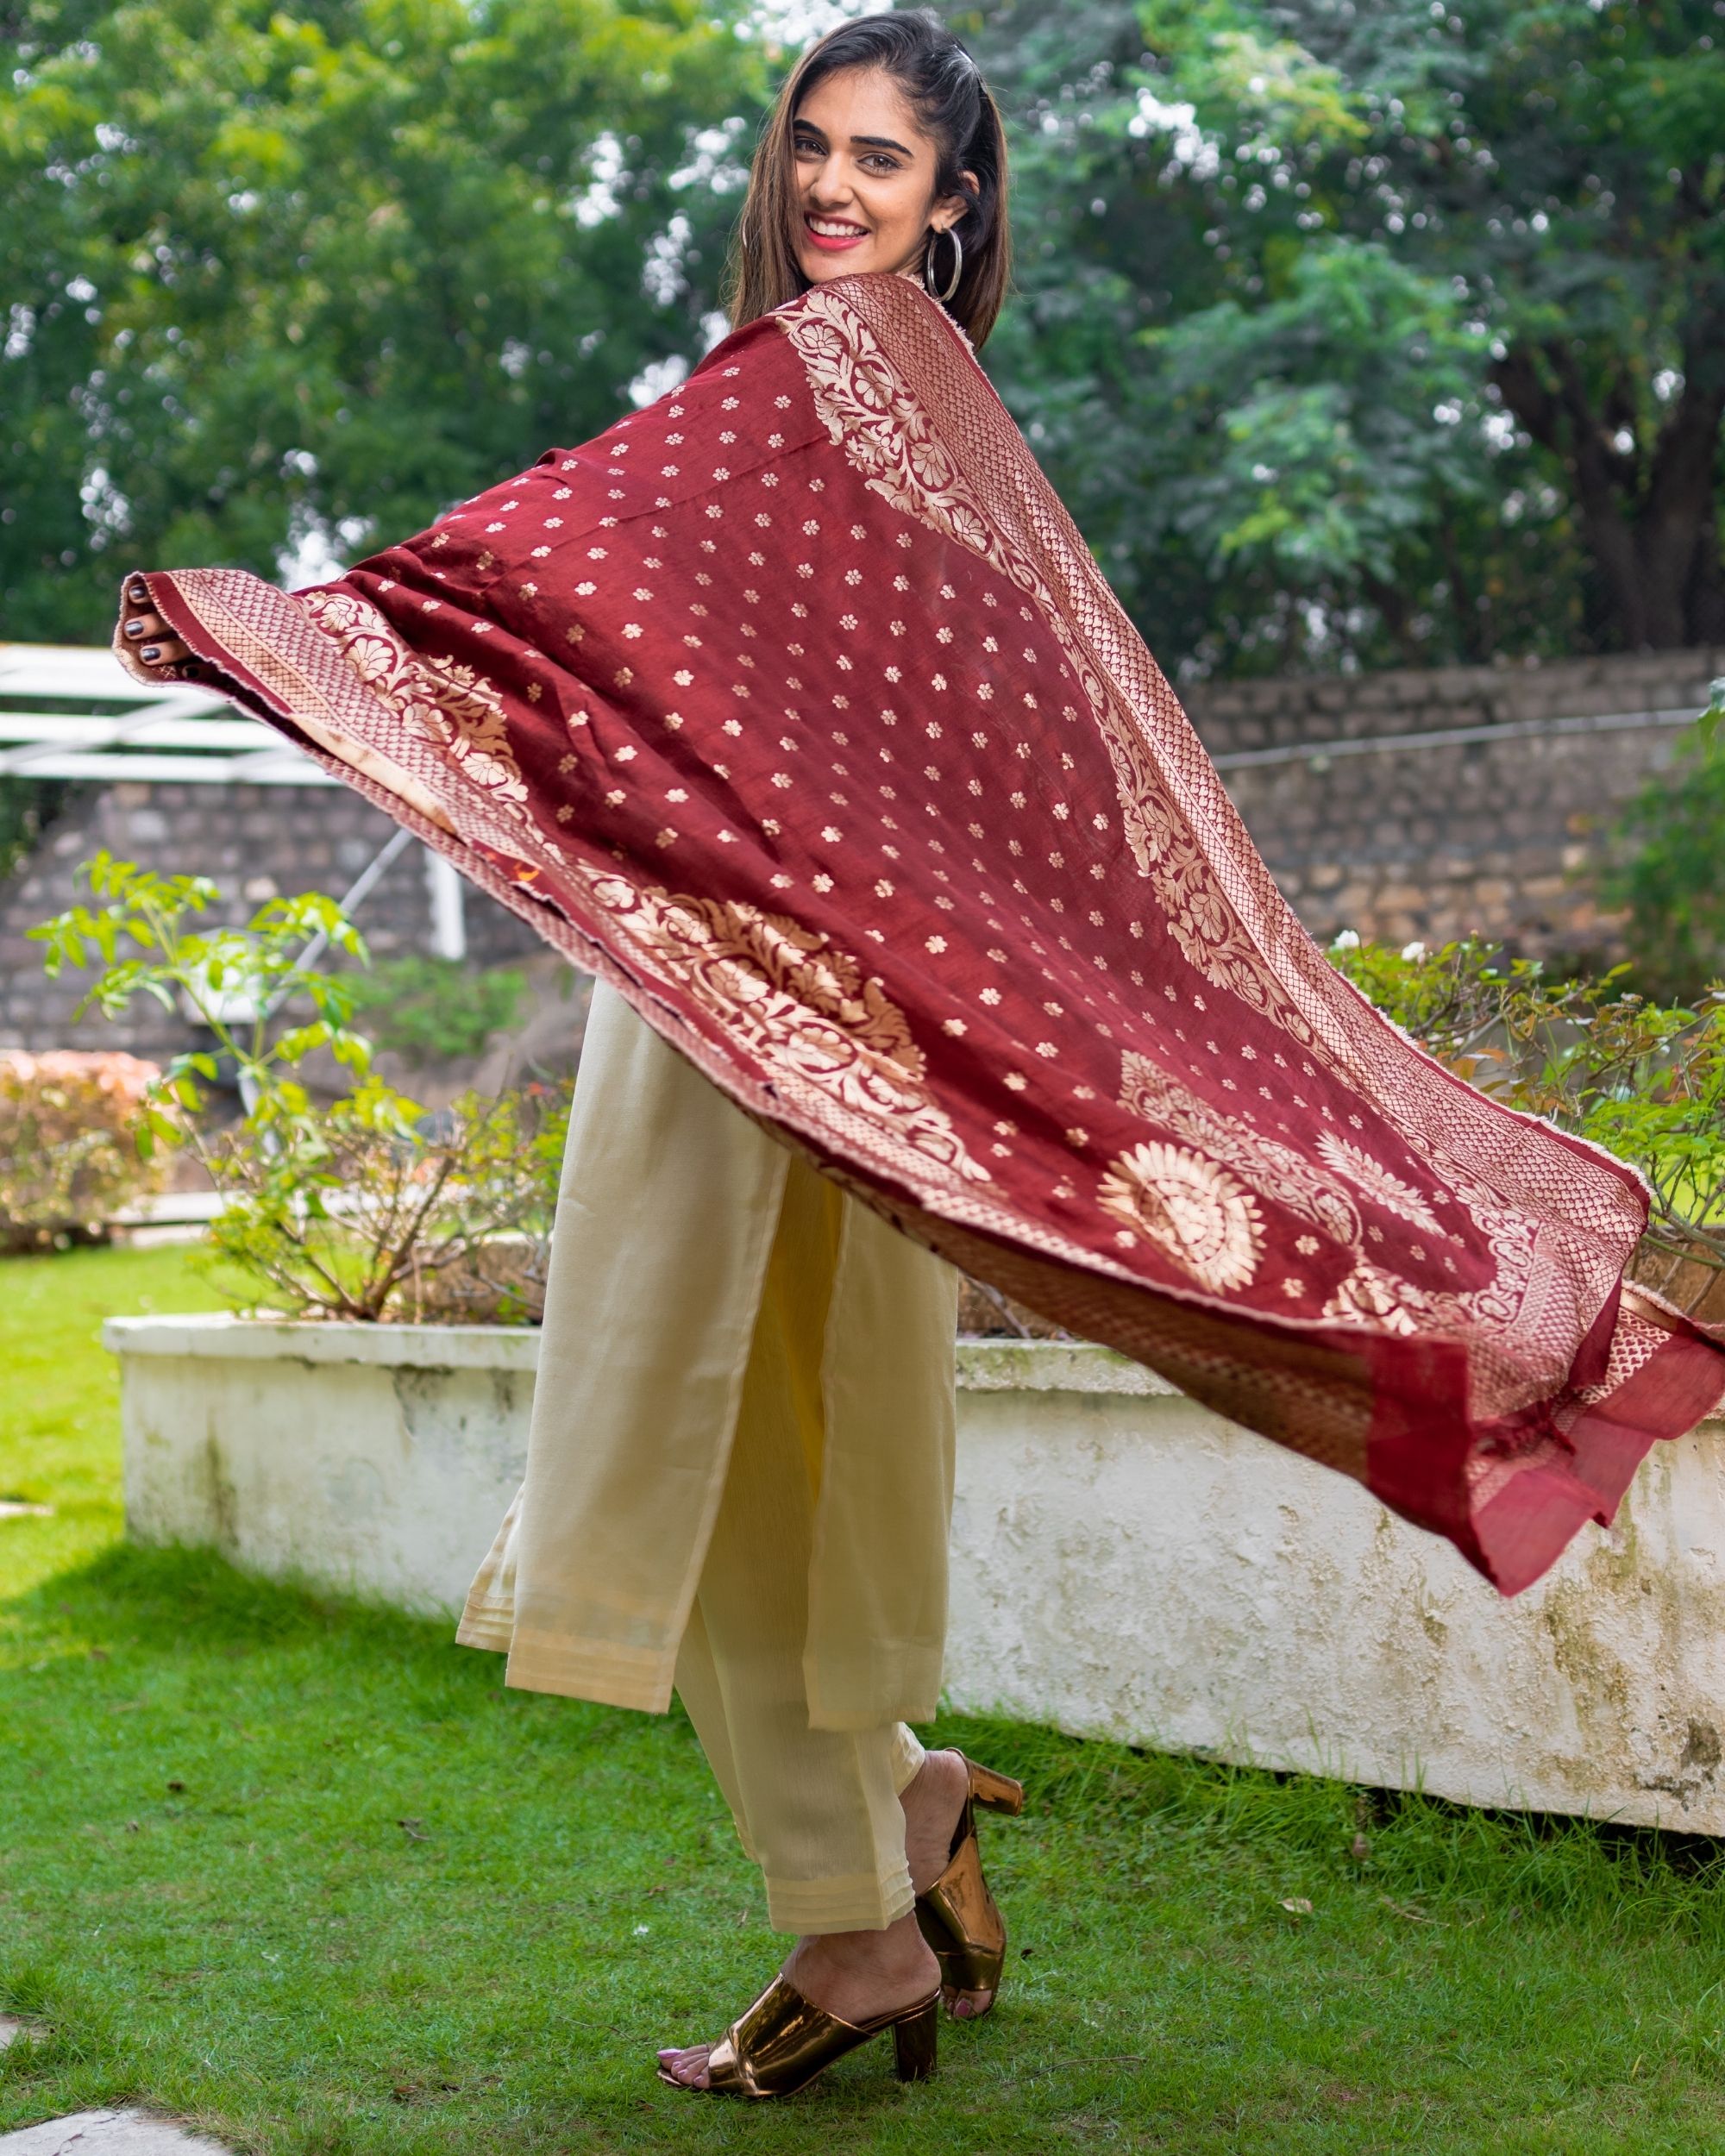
(805, 1011)
(1192, 1210)
(912, 412)
(1378, 1182)
(447, 705)
(875, 416)
(1370, 1294)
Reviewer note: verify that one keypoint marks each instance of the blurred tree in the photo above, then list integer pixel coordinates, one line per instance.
(28, 807)
(1352, 333)
(1671, 878)
(283, 278)
(1374, 331)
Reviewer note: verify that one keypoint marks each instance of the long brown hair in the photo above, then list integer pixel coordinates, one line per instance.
(953, 104)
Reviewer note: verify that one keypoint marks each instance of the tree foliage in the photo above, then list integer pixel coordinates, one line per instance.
(281, 280)
(1386, 331)
(1353, 333)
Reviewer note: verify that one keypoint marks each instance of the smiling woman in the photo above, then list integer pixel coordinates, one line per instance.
(865, 196)
(795, 707)
(884, 151)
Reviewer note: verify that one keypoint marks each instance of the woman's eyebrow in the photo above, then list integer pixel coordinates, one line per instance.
(868, 141)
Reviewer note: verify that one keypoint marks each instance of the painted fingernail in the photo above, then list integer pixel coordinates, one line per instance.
(138, 594)
(134, 629)
(150, 654)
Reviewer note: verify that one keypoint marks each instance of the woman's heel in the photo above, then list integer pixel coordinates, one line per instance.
(914, 2042)
(785, 2042)
(994, 1792)
(957, 1916)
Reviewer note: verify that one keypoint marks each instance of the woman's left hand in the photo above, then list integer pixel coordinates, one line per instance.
(155, 645)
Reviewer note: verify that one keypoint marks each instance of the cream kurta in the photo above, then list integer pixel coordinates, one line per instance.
(676, 1254)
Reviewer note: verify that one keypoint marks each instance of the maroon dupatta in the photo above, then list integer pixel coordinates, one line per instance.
(795, 707)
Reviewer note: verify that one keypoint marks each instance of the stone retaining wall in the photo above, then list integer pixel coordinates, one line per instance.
(1500, 833)
(1502, 836)
(256, 842)
(1125, 1563)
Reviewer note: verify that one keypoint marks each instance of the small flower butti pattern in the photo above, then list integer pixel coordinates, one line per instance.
(794, 706)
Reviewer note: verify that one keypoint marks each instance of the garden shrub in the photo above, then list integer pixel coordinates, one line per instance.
(1644, 1080)
(367, 1206)
(364, 1206)
(69, 1157)
(436, 1010)
(1671, 882)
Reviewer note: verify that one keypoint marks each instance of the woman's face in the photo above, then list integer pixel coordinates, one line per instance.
(865, 175)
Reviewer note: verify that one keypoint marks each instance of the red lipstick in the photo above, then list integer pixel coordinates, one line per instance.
(830, 243)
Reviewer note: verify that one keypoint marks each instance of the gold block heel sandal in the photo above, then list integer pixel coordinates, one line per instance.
(784, 2041)
(957, 1916)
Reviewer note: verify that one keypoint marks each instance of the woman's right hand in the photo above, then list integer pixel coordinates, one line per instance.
(155, 644)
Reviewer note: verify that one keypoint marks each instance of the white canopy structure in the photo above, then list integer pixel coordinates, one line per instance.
(126, 731)
(67, 711)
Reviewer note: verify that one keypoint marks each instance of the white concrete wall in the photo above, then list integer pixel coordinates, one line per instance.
(377, 1459)
(1125, 1563)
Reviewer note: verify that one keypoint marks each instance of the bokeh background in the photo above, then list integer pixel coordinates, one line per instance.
(1353, 334)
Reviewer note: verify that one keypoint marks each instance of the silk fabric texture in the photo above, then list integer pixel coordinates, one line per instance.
(794, 706)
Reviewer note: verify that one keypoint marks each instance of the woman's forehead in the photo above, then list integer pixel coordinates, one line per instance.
(862, 100)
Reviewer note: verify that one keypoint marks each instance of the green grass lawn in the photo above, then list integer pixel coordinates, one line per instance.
(302, 1874)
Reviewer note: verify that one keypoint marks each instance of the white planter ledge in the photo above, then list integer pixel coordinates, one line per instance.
(1125, 1563)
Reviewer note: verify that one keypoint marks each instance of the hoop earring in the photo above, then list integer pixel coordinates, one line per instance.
(957, 265)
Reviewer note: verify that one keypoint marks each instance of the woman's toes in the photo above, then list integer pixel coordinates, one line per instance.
(968, 2005)
(686, 2068)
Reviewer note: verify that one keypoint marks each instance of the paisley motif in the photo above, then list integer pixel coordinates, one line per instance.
(805, 1011)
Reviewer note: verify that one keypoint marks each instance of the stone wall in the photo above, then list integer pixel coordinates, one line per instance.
(1499, 832)
(256, 843)
(1501, 835)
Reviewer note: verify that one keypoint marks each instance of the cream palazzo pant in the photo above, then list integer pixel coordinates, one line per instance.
(739, 1473)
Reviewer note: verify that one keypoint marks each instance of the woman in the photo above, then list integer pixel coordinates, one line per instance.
(795, 708)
